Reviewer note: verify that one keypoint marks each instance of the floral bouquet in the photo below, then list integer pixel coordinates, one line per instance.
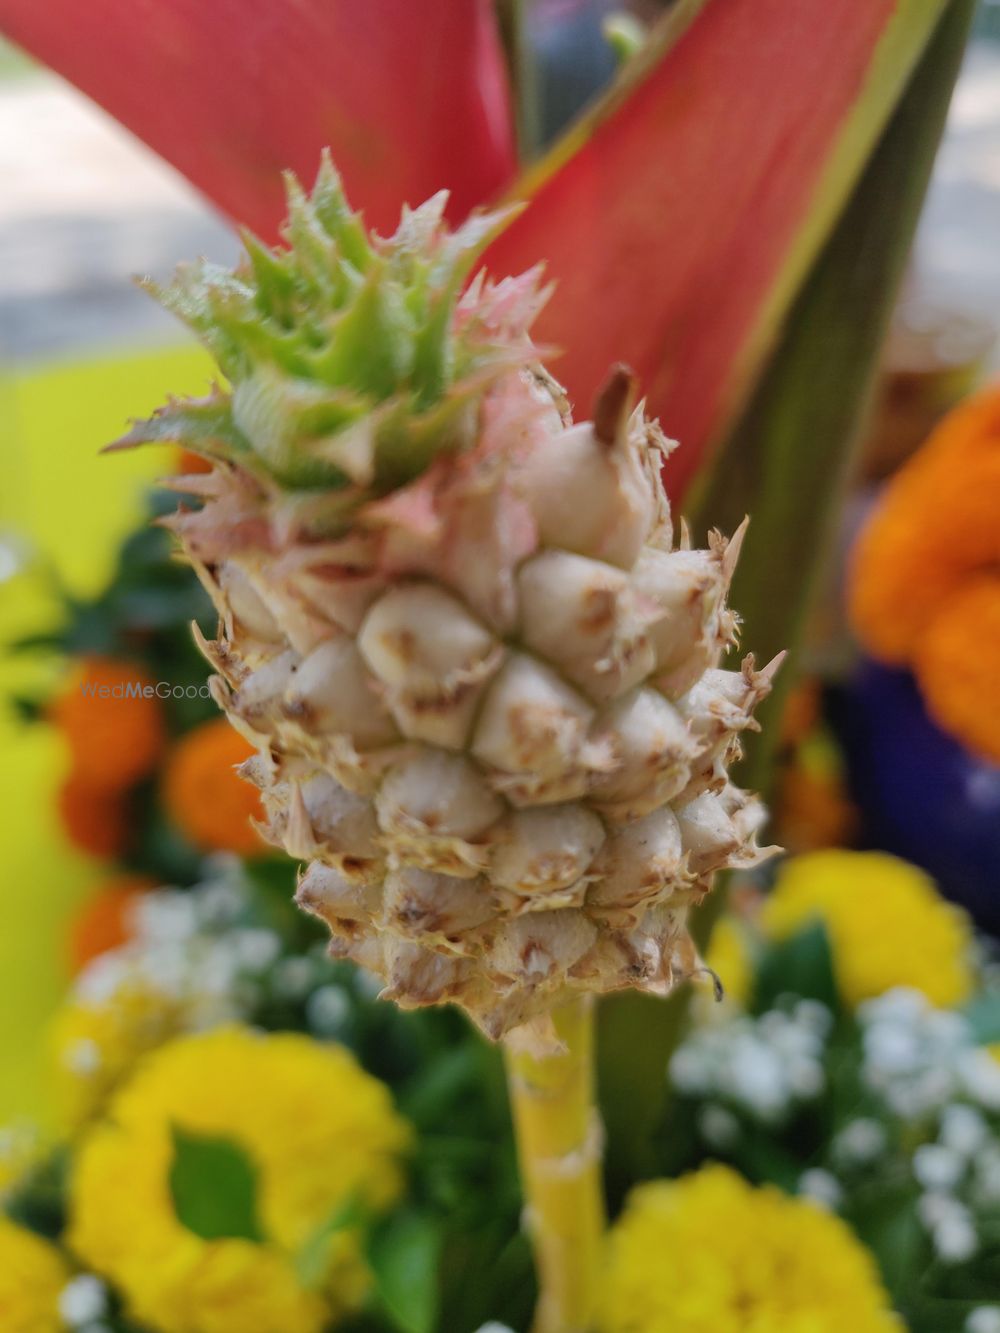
(485, 684)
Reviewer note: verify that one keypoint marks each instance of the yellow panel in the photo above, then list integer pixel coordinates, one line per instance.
(70, 508)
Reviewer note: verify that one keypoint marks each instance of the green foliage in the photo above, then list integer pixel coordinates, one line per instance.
(345, 363)
(157, 848)
(403, 1255)
(873, 1103)
(802, 965)
(38, 1200)
(312, 1260)
(144, 615)
(213, 1184)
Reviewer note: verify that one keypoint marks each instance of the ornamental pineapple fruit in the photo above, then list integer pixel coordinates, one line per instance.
(481, 678)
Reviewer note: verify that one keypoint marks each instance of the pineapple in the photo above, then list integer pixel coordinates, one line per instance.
(481, 677)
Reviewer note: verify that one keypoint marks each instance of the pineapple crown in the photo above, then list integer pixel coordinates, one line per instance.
(352, 360)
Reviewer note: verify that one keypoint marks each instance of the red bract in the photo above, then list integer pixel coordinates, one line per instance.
(410, 97)
(679, 219)
(670, 228)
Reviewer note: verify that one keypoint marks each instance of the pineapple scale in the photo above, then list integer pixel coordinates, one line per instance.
(500, 800)
(481, 677)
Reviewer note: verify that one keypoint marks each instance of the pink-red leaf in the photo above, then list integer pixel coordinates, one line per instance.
(679, 220)
(410, 97)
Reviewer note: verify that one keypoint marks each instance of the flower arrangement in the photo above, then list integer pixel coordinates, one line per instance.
(481, 675)
(857, 1128)
(860, 1077)
(151, 782)
(886, 921)
(158, 1055)
(774, 1262)
(192, 1200)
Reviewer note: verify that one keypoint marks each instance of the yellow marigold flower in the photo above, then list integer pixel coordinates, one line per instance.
(710, 1253)
(887, 924)
(97, 1043)
(320, 1133)
(32, 1274)
(932, 533)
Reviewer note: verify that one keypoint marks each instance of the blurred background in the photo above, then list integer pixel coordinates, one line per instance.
(85, 207)
(869, 762)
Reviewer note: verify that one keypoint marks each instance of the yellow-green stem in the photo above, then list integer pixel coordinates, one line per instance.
(559, 1149)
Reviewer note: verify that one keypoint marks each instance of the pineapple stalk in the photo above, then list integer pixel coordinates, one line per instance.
(559, 1152)
(481, 673)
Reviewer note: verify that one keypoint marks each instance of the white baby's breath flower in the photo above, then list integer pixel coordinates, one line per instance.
(100, 980)
(768, 1065)
(937, 1167)
(935, 1207)
(82, 1300)
(986, 1176)
(166, 915)
(822, 1187)
(256, 949)
(860, 1141)
(718, 1127)
(755, 1078)
(327, 1010)
(980, 1074)
(82, 1057)
(293, 977)
(913, 1053)
(963, 1129)
(814, 1016)
(902, 1005)
(946, 1028)
(688, 1071)
(950, 1225)
(984, 1319)
(893, 1049)
(219, 904)
(955, 1240)
(806, 1079)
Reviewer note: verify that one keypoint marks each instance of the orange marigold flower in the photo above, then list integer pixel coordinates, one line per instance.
(112, 721)
(204, 796)
(103, 922)
(957, 665)
(921, 587)
(934, 526)
(95, 818)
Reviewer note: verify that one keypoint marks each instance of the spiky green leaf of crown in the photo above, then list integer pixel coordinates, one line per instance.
(345, 362)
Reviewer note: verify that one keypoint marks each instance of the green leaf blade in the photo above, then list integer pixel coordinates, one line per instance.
(213, 1185)
(404, 1260)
